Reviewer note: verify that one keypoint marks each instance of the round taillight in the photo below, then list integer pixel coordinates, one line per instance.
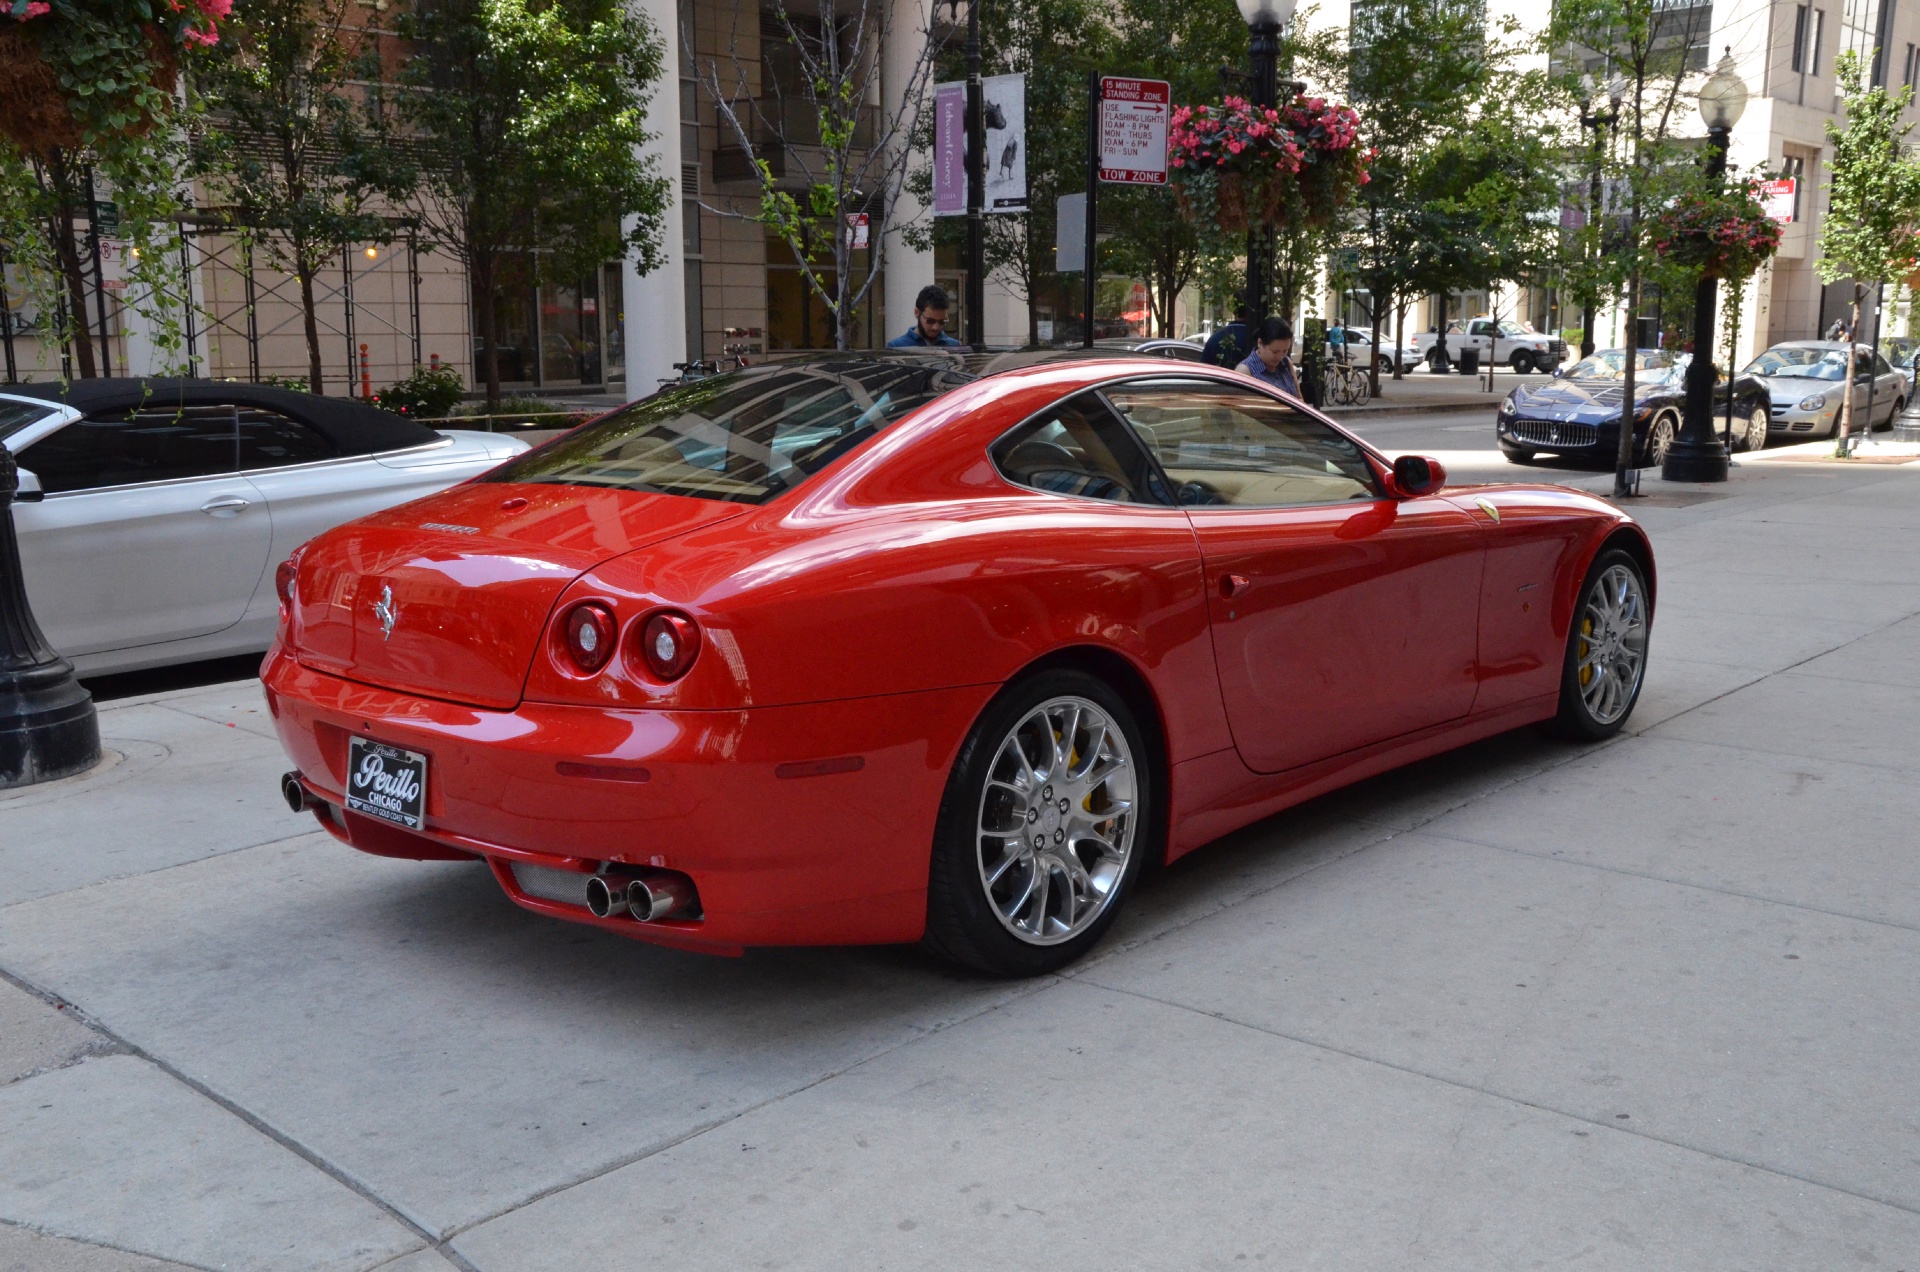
(668, 644)
(283, 578)
(588, 628)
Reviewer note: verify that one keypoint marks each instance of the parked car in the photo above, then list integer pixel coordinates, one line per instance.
(1502, 342)
(929, 677)
(1806, 380)
(152, 510)
(1577, 414)
(1899, 351)
(1360, 350)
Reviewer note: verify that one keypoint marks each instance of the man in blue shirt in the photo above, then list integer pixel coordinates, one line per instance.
(1227, 346)
(929, 328)
(1269, 362)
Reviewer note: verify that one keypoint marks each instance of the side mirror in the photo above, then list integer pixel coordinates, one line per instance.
(29, 490)
(1417, 475)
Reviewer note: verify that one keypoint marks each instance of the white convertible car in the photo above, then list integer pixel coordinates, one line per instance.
(152, 513)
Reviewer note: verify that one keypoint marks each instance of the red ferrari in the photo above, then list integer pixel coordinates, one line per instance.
(872, 648)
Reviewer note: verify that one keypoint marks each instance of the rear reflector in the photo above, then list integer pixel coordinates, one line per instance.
(601, 772)
(821, 768)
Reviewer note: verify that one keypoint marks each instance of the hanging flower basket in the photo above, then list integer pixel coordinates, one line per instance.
(1728, 235)
(1236, 165)
(71, 69)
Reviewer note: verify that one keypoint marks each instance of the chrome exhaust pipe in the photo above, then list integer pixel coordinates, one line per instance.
(660, 894)
(294, 793)
(607, 896)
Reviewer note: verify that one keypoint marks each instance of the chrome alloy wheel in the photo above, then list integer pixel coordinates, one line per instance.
(1757, 429)
(1056, 824)
(1611, 653)
(1660, 436)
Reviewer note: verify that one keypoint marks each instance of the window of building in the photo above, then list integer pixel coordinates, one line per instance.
(1861, 35)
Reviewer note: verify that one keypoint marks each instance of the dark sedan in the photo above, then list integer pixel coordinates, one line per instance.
(1577, 414)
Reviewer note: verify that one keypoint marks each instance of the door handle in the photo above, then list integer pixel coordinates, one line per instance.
(1232, 585)
(231, 504)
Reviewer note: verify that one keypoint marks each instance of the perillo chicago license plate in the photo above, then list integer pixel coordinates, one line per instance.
(386, 782)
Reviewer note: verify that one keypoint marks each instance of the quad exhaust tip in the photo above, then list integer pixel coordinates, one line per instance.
(646, 895)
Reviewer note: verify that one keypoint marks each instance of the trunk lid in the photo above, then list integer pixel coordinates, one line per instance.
(449, 596)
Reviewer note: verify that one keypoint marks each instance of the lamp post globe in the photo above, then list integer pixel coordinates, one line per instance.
(1697, 454)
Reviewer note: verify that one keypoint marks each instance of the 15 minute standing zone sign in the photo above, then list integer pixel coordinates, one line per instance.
(1133, 130)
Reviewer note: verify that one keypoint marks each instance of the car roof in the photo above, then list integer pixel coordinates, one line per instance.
(353, 427)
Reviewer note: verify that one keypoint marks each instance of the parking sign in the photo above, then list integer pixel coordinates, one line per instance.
(1133, 130)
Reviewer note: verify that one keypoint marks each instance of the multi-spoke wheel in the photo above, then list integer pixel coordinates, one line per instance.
(1757, 429)
(1660, 437)
(1607, 649)
(1046, 822)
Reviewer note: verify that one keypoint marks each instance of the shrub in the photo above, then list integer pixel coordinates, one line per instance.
(427, 394)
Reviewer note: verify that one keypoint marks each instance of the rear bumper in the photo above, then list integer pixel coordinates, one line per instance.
(783, 849)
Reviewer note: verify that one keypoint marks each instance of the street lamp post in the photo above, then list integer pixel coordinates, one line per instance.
(1597, 121)
(47, 724)
(1265, 19)
(1698, 455)
(976, 298)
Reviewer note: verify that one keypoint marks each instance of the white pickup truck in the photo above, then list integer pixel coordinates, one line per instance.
(1501, 341)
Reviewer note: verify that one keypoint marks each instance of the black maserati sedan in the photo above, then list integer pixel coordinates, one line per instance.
(1577, 413)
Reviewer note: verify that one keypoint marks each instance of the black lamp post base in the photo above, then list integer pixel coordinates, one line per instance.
(48, 728)
(1695, 461)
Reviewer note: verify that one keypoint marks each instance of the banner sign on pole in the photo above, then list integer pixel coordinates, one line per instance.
(949, 149)
(1004, 103)
(859, 227)
(1133, 130)
(1777, 198)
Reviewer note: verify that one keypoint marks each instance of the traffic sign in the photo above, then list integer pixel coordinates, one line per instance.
(1777, 198)
(1133, 130)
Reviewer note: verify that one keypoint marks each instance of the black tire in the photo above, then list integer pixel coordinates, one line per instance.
(1899, 405)
(1516, 454)
(963, 927)
(1522, 362)
(1576, 720)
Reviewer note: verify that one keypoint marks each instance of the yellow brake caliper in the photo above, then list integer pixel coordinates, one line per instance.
(1586, 671)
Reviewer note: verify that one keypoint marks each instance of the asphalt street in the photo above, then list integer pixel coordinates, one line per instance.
(1641, 1005)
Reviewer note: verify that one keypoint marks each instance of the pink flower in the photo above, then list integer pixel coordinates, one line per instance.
(35, 8)
(216, 10)
(195, 35)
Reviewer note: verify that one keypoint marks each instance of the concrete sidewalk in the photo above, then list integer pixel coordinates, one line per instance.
(1642, 1005)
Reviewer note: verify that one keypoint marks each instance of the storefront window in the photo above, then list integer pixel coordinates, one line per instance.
(613, 321)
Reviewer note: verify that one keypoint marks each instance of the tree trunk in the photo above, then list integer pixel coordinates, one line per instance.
(489, 367)
(310, 325)
(1853, 347)
(66, 250)
(1623, 456)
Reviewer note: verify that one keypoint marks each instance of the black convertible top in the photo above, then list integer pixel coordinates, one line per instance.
(353, 427)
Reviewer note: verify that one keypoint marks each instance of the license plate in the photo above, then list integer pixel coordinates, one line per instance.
(386, 782)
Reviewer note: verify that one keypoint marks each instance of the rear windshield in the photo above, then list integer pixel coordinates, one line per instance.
(747, 437)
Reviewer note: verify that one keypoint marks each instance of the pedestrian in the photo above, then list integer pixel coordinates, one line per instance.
(1271, 361)
(1227, 346)
(1838, 331)
(1337, 340)
(929, 328)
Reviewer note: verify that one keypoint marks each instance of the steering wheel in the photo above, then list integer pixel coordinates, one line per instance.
(1194, 493)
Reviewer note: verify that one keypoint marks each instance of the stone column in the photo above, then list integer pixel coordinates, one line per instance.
(907, 270)
(656, 303)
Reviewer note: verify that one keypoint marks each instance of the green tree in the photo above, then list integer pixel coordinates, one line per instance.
(526, 117)
(292, 143)
(1646, 45)
(821, 150)
(1871, 232)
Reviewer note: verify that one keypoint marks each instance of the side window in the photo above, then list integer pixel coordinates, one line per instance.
(269, 439)
(1077, 448)
(1220, 444)
(1880, 366)
(125, 447)
(1480, 329)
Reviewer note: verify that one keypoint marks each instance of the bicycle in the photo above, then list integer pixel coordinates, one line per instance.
(1350, 385)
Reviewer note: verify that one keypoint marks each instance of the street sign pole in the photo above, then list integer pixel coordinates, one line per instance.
(1093, 195)
(976, 303)
(1126, 145)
